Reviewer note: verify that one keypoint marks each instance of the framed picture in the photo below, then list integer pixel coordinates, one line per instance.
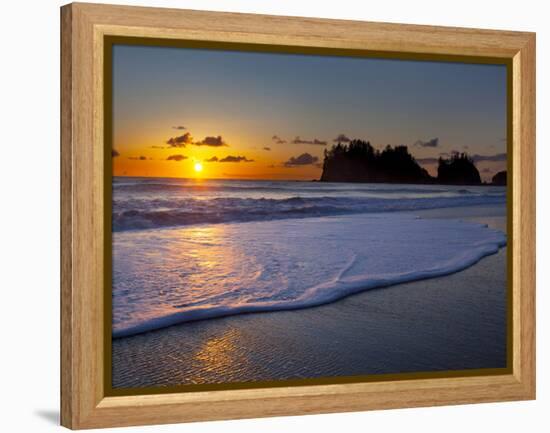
(269, 216)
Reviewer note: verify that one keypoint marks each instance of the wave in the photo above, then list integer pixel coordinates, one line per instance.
(135, 213)
(305, 265)
(187, 186)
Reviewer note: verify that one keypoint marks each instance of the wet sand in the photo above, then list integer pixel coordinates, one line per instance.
(454, 322)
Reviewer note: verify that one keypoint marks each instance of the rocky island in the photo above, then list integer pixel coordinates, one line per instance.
(500, 178)
(359, 161)
(459, 169)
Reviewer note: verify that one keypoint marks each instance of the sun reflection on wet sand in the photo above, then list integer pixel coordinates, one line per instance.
(221, 354)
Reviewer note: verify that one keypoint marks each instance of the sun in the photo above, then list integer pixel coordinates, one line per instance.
(198, 167)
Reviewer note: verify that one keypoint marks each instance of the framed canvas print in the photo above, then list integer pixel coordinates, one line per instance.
(270, 216)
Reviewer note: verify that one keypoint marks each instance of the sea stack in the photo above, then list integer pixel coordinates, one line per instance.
(459, 169)
(499, 178)
(359, 161)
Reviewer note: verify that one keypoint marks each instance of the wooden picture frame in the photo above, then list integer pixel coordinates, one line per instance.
(84, 400)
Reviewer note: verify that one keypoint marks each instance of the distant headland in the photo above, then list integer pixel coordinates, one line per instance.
(359, 161)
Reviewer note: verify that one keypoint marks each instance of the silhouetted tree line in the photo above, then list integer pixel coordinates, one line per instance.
(458, 169)
(359, 161)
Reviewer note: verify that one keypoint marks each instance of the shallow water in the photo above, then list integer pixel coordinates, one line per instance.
(168, 276)
(454, 322)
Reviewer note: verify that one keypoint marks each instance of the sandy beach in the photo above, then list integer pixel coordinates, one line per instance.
(445, 323)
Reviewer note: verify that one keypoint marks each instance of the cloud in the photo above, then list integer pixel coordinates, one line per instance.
(114, 153)
(185, 139)
(434, 142)
(159, 147)
(267, 148)
(179, 127)
(231, 158)
(180, 141)
(493, 158)
(211, 141)
(176, 158)
(298, 140)
(427, 160)
(278, 140)
(342, 138)
(477, 158)
(138, 158)
(303, 159)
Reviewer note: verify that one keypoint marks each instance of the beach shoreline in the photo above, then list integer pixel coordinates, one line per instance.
(445, 323)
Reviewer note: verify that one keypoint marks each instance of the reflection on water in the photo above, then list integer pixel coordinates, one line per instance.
(219, 354)
(167, 276)
(383, 331)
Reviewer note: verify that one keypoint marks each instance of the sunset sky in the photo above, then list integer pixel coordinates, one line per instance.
(258, 115)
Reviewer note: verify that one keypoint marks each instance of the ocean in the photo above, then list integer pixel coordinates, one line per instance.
(146, 203)
(187, 250)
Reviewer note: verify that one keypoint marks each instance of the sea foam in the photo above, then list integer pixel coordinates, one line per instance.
(168, 276)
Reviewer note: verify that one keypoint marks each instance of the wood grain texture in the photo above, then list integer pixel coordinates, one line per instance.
(524, 216)
(83, 401)
(67, 388)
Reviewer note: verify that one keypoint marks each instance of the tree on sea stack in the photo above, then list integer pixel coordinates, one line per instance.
(459, 169)
(359, 161)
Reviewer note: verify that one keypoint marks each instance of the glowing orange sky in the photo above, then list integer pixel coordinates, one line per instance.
(164, 161)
